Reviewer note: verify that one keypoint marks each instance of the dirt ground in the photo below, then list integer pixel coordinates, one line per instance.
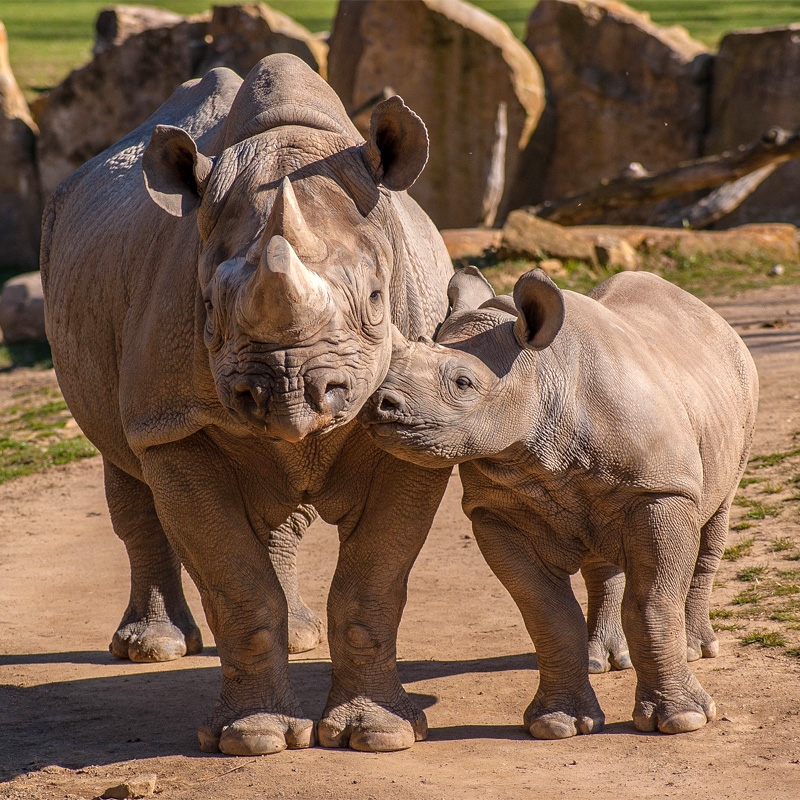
(74, 721)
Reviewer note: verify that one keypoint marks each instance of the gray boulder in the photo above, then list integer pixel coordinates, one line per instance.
(22, 309)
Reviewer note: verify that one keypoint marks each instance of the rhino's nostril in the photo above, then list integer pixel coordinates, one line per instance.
(389, 402)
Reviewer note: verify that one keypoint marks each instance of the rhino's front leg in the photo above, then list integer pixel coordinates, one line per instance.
(306, 629)
(565, 703)
(367, 708)
(200, 504)
(661, 548)
(605, 584)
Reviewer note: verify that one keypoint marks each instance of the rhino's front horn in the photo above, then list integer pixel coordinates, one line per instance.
(287, 220)
(285, 300)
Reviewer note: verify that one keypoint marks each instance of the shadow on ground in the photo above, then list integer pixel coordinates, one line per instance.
(156, 713)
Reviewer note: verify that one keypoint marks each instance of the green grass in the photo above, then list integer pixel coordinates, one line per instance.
(749, 596)
(753, 573)
(735, 552)
(764, 638)
(781, 544)
(48, 38)
(773, 459)
(35, 433)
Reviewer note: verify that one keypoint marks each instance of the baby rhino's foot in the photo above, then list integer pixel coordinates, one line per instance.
(255, 734)
(563, 717)
(607, 653)
(363, 724)
(701, 644)
(306, 629)
(156, 641)
(673, 709)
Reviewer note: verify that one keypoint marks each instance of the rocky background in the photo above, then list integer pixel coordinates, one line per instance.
(594, 88)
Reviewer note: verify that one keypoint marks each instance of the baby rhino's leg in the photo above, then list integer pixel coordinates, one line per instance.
(701, 641)
(661, 546)
(565, 703)
(605, 584)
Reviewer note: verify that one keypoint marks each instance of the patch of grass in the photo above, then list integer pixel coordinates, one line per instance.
(27, 354)
(783, 615)
(762, 511)
(741, 526)
(737, 551)
(23, 458)
(749, 596)
(764, 638)
(789, 574)
(726, 626)
(784, 589)
(752, 573)
(749, 482)
(772, 488)
(720, 613)
(773, 459)
(792, 651)
(781, 544)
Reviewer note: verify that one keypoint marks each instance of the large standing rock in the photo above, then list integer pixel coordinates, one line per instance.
(477, 88)
(242, 35)
(622, 90)
(120, 88)
(142, 55)
(20, 209)
(756, 85)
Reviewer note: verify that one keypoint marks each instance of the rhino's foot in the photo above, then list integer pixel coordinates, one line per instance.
(256, 734)
(159, 640)
(608, 653)
(306, 630)
(562, 718)
(363, 724)
(701, 644)
(676, 709)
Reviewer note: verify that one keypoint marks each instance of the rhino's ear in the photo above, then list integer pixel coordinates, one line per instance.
(541, 310)
(468, 289)
(397, 149)
(175, 174)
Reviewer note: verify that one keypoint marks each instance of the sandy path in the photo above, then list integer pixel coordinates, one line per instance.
(75, 721)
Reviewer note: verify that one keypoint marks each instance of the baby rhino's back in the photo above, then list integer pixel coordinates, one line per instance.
(704, 361)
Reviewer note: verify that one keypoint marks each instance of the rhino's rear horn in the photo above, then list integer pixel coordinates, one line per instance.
(287, 220)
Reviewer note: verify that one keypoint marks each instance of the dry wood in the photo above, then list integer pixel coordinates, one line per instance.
(635, 185)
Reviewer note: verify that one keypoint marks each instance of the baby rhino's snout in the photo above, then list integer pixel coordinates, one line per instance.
(388, 403)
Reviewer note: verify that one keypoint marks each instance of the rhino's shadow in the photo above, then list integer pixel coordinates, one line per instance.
(103, 720)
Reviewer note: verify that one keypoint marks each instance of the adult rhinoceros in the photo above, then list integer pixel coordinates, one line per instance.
(216, 327)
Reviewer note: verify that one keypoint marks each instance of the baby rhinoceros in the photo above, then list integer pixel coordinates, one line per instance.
(614, 426)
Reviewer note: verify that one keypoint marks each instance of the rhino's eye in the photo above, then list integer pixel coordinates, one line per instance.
(463, 382)
(209, 306)
(375, 296)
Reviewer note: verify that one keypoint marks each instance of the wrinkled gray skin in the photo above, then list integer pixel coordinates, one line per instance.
(612, 427)
(216, 325)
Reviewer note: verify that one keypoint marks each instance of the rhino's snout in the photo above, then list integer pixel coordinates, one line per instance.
(250, 397)
(328, 396)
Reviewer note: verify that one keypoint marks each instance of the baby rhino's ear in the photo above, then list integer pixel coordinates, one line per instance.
(468, 289)
(541, 310)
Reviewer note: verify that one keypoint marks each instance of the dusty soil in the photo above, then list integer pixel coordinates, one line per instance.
(76, 721)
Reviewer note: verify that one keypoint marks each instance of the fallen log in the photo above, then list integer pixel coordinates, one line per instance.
(637, 186)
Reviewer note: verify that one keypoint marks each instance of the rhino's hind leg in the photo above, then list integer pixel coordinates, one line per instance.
(157, 624)
(701, 641)
(605, 584)
(306, 629)
(660, 555)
